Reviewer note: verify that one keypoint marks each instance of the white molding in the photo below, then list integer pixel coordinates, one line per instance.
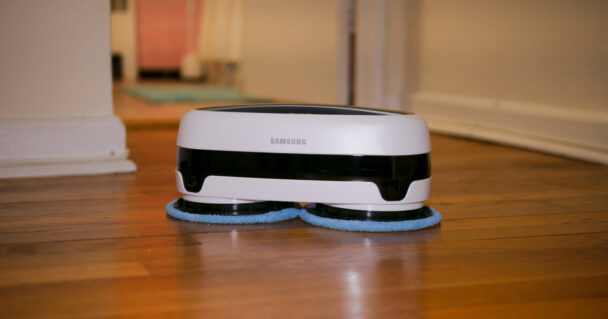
(342, 65)
(83, 167)
(370, 53)
(380, 54)
(567, 132)
(396, 50)
(53, 147)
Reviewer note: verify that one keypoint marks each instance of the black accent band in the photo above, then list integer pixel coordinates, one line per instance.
(326, 211)
(280, 108)
(297, 109)
(392, 174)
(230, 209)
(159, 74)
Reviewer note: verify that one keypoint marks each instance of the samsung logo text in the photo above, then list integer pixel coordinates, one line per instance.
(288, 141)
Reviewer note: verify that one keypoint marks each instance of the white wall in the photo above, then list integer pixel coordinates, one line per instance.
(56, 115)
(292, 50)
(531, 73)
(54, 59)
(124, 39)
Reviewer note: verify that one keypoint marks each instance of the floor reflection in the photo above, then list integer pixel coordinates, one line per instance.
(354, 275)
(353, 287)
(380, 270)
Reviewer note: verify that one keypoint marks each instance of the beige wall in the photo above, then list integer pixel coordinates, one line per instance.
(291, 50)
(124, 39)
(529, 73)
(55, 59)
(543, 52)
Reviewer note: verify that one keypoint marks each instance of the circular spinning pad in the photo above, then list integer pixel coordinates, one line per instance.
(350, 220)
(248, 213)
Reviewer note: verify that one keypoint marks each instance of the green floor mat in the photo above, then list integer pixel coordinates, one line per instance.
(191, 93)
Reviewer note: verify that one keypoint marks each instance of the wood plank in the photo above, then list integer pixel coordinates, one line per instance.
(524, 234)
(73, 272)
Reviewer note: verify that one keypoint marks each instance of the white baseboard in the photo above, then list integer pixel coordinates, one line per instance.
(567, 132)
(53, 147)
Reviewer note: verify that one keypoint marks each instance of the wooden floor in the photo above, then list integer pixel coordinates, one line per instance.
(524, 235)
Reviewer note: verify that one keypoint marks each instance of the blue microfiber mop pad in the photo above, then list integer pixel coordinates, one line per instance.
(371, 226)
(270, 217)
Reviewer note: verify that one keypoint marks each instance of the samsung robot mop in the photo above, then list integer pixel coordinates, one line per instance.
(364, 170)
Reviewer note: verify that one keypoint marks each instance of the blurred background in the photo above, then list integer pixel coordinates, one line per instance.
(532, 73)
(527, 73)
(210, 52)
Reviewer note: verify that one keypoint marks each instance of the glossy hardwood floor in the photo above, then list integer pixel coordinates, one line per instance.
(525, 235)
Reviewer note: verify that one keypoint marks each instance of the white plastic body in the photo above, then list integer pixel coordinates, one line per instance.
(388, 134)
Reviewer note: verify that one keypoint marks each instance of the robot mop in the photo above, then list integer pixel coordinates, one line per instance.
(362, 169)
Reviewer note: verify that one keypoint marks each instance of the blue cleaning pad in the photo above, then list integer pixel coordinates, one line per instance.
(293, 212)
(372, 226)
(270, 217)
